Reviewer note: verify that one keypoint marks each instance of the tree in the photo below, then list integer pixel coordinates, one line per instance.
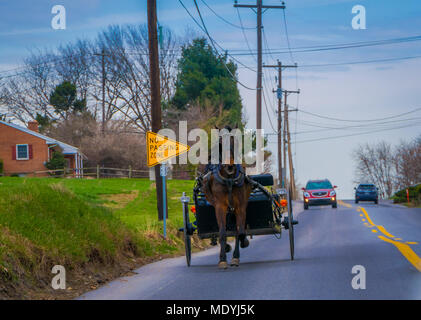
(26, 93)
(408, 163)
(205, 77)
(375, 164)
(64, 101)
(57, 162)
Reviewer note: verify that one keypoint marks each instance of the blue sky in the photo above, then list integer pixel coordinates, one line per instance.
(365, 91)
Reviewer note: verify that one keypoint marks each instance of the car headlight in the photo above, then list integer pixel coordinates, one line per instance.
(332, 193)
(306, 194)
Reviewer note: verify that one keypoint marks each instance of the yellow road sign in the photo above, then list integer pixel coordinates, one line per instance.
(161, 148)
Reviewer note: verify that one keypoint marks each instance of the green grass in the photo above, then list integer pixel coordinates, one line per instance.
(72, 221)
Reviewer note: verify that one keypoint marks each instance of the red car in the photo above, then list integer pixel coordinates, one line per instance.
(319, 193)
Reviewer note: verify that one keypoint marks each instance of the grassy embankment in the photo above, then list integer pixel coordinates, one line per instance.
(97, 229)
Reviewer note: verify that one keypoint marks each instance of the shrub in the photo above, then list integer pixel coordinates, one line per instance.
(56, 162)
(414, 194)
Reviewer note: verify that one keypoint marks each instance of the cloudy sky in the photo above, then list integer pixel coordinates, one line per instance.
(323, 148)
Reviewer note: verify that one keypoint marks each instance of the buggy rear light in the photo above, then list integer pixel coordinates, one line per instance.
(284, 203)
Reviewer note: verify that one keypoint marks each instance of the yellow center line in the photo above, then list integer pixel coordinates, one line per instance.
(406, 251)
(404, 248)
(342, 203)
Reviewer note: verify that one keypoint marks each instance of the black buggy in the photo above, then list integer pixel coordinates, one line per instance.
(268, 212)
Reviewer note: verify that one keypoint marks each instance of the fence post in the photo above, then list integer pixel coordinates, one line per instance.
(97, 171)
(130, 172)
(64, 172)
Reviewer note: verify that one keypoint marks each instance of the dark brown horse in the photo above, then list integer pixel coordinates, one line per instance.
(228, 190)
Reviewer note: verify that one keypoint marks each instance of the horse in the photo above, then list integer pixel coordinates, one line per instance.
(227, 189)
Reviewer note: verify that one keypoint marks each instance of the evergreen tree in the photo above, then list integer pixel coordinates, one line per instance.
(64, 99)
(203, 77)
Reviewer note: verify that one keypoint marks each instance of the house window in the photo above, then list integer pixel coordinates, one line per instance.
(22, 152)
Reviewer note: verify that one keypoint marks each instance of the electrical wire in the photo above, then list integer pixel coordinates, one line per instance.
(358, 134)
(244, 34)
(360, 120)
(337, 46)
(225, 20)
(213, 42)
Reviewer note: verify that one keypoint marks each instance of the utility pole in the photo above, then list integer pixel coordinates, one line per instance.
(279, 94)
(287, 142)
(258, 7)
(103, 55)
(155, 93)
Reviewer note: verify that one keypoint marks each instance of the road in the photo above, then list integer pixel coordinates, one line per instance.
(385, 239)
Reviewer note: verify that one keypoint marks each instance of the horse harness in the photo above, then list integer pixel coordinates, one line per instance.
(215, 170)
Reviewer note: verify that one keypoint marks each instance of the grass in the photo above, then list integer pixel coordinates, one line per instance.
(48, 221)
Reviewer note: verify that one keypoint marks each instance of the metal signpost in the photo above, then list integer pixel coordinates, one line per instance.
(164, 196)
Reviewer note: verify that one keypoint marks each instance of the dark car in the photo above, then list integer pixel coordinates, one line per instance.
(319, 193)
(366, 192)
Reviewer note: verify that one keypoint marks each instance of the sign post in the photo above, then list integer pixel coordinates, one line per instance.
(160, 149)
(164, 195)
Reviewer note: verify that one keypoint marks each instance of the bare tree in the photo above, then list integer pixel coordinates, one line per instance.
(375, 164)
(26, 93)
(127, 86)
(408, 163)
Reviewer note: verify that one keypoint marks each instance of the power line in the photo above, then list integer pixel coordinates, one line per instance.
(339, 46)
(361, 120)
(225, 20)
(212, 41)
(360, 62)
(244, 35)
(358, 134)
(378, 125)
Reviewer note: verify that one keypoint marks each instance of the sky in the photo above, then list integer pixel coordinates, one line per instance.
(357, 92)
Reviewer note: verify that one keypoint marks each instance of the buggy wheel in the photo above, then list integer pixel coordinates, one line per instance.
(187, 232)
(290, 226)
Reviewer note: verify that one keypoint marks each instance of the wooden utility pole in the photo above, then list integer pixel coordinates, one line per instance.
(103, 55)
(287, 142)
(279, 94)
(258, 9)
(155, 92)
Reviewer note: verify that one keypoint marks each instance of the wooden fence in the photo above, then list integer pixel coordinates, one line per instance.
(100, 172)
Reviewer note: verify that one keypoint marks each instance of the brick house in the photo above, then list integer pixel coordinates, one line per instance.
(24, 150)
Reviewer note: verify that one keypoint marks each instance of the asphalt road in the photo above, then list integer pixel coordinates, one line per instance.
(385, 239)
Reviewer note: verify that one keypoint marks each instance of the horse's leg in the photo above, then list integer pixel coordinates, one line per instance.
(221, 218)
(236, 254)
(241, 225)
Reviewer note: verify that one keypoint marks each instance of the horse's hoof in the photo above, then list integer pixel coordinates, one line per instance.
(227, 248)
(235, 262)
(245, 243)
(223, 265)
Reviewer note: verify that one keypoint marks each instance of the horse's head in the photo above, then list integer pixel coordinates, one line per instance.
(227, 151)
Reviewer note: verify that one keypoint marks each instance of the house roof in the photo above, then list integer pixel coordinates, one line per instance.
(67, 149)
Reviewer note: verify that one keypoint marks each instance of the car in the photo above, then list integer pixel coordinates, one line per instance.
(366, 192)
(319, 193)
